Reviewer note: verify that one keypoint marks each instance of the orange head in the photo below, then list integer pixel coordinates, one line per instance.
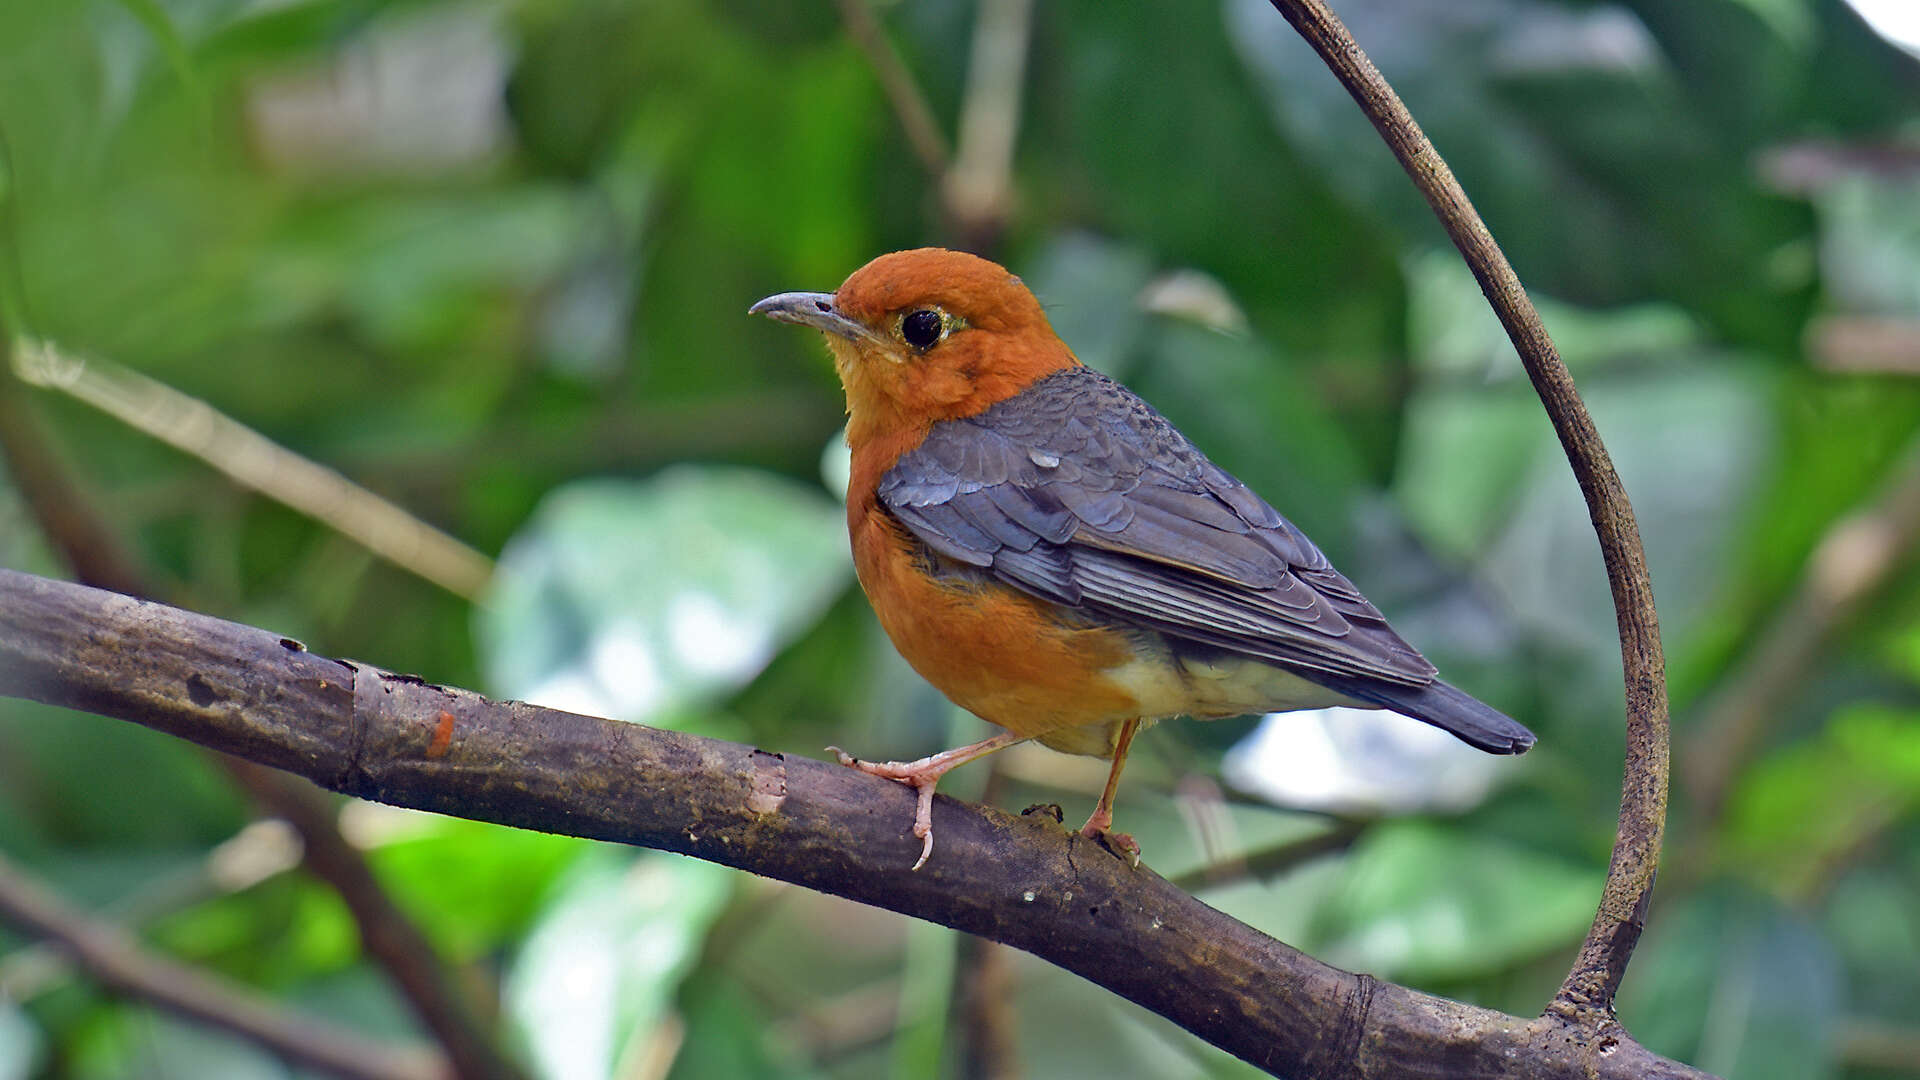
(926, 335)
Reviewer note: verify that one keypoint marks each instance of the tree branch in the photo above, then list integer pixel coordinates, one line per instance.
(1022, 881)
(1587, 994)
(112, 958)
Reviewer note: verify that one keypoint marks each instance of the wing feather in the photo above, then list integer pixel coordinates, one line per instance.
(1077, 491)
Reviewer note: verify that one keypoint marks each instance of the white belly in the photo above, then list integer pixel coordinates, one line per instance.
(1167, 684)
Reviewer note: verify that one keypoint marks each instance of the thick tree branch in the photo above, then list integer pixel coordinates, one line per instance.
(1587, 993)
(115, 960)
(1023, 881)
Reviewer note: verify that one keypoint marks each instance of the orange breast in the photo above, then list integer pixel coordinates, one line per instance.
(1002, 655)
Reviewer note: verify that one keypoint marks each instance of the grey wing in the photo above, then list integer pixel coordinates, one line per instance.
(1077, 491)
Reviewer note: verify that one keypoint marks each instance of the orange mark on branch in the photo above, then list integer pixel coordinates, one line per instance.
(442, 737)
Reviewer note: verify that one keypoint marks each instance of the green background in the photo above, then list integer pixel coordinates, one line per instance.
(492, 260)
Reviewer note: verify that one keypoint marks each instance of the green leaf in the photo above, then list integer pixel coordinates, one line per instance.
(1790, 20)
(1874, 925)
(49, 753)
(474, 886)
(1736, 985)
(636, 599)
(1806, 805)
(167, 36)
(142, 1042)
(599, 972)
(288, 928)
(1483, 477)
(1567, 127)
(730, 1035)
(1425, 901)
(1090, 287)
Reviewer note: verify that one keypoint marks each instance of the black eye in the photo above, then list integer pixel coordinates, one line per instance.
(921, 328)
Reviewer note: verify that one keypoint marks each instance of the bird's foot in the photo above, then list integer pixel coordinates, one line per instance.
(922, 775)
(1121, 844)
(1100, 827)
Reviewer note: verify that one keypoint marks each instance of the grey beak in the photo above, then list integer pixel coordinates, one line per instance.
(815, 309)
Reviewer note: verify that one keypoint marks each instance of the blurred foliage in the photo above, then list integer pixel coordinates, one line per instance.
(491, 260)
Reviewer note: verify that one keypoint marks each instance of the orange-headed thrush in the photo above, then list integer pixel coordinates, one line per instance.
(1052, 554)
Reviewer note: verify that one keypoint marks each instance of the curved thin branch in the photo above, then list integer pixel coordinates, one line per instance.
(112, 957)
(1020, 880)
(1587, 993)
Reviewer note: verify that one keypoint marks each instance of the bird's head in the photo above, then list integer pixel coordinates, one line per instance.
(927, 335)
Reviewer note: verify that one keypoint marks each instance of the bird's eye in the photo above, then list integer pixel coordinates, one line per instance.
(922, 328)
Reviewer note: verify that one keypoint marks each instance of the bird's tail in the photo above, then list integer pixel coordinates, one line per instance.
(1452, 710)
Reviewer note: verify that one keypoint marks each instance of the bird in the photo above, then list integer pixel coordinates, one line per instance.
(1055, 557)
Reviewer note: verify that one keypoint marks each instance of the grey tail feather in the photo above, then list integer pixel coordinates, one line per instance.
(1452, 710)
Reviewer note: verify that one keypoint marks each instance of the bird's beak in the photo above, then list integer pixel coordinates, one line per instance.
(815, 309)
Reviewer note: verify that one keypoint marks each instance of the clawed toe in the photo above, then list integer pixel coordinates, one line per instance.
(922, 776)
(1123, 845)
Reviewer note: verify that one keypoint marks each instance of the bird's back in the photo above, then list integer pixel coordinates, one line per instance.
(1080, 496)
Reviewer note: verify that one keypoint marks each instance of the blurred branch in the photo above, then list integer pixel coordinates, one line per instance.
(261, 850)
(989, 1026)
(110, 956)
(1849, 565)
(1274, 861)
(976, 184)
(909, 104)
(1865, 344)
(830, 1029)
(989, 1029)
(639, 435)
(1586, 997)
(978, 190)
(191, 425)
(390, 938)
(1022, 881)
(65, 514)
(1803, 168)
(1876, 1044)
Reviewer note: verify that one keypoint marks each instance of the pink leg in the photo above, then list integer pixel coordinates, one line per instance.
(1102, 819)
(923, 774)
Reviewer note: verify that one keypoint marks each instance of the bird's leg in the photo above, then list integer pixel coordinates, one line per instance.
(1102, 819)
(923, 774)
